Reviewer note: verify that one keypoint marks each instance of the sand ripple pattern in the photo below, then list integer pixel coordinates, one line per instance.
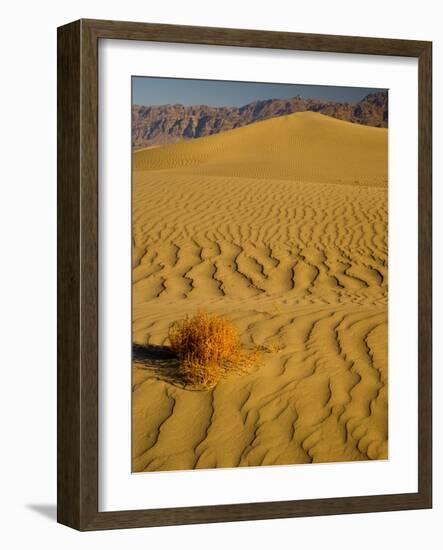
(299, 264)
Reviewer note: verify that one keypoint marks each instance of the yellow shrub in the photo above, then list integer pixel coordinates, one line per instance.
(208, 347)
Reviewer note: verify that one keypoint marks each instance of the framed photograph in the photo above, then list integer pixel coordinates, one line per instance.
(244, 275)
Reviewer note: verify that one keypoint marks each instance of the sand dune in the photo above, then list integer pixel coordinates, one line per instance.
(282, 226)
(305, 147)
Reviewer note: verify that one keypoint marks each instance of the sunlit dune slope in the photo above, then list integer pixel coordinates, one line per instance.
(303, 146)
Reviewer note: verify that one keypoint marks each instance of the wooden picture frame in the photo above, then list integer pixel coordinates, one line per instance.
(78, 274)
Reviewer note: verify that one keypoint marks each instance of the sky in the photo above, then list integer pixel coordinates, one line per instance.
(217, 93)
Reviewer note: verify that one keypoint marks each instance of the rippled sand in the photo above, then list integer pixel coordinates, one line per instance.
(282, 226)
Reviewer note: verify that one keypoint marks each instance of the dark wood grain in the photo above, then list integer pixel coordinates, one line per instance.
(68, 276)
(425, 274)
(78, 270)
(254, 38)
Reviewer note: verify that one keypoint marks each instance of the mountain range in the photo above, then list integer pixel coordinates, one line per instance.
(163, 124)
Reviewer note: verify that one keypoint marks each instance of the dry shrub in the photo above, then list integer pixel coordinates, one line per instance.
(208, 347)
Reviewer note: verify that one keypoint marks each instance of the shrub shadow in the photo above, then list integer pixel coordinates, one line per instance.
(161, 361)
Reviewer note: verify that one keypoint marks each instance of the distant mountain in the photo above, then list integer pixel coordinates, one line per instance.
(164, 124)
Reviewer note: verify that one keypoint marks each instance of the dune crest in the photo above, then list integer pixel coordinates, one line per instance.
(302, 147)
(282, 226)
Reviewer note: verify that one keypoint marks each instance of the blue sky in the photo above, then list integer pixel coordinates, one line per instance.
(160, 91)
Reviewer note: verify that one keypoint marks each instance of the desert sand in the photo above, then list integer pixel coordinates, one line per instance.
(281, 226)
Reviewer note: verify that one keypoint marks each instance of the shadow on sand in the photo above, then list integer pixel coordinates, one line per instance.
(161, 361)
